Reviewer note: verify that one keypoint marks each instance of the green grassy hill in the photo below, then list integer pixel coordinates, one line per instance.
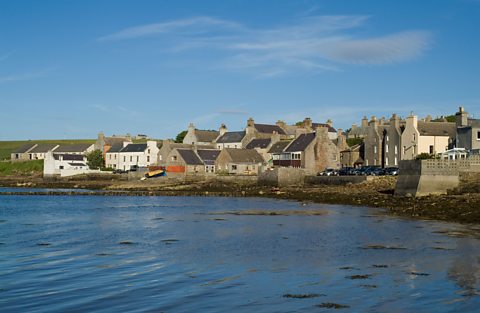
(7, 147)
(26, 168)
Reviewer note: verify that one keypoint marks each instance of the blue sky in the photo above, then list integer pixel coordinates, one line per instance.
(69, 69)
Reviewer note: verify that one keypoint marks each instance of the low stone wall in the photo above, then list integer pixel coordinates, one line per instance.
(243, 179)
(429, 177)
(336, 180)
(282, 177)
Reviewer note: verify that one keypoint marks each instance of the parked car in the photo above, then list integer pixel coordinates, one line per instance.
(328, 172)
(119, 171)
(391, 171)
(133, 168)
(344, 171)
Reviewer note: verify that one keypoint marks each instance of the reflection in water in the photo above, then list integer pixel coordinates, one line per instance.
(179, 254)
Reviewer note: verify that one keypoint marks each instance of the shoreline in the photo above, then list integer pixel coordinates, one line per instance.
(460, 208)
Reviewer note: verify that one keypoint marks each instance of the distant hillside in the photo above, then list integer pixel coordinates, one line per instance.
(7, 147)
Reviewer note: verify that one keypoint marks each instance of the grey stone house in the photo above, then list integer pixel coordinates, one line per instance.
(374, 143)
(233, 140)
(208, 157)
(311, 151)
(468, 132)
(185, 161)
(22, 153)
(239, 162)
(202, 137)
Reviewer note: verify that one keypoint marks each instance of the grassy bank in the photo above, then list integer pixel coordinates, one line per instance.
(27, 168)
(7, 147)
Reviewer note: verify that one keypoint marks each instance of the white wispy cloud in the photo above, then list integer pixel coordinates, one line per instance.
(25, 76)
(309, 44)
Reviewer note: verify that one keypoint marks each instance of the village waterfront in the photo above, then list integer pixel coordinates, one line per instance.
(217, 254)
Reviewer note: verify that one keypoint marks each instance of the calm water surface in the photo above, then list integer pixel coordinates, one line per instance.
(168, 254)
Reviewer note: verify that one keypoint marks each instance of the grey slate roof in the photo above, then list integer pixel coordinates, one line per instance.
(24, 148)
(230, 137)
(134, 147)
(117, 147)
(208, 156)
(244, 156)
(43, 148)
(190, 157)
(279, 146)
(437, 129)
(301, 143)
(330, 128)
(258, 143)
(206, 135)
(474, 122)
(269, 129)
(79, 147)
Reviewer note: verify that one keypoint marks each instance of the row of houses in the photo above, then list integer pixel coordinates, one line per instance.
(386, 142)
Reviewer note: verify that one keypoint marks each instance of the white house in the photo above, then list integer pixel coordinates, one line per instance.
(64, 164)
(133, 155)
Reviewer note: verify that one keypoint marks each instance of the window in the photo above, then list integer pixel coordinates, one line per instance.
(396, 161)
(124, 159)
(174, 158)
(148, 158)
(138, 158)
(414, 137)
(109, 156)
(160, 157)
(386, 161)
(386, 148)
(396, 149)
(296, 156)
(131, 158)
(431, 150)
(374, 149)
(115, 156)
(234, 167)
(61, 167)
(386, 138)
(148, 151)
(253, 167)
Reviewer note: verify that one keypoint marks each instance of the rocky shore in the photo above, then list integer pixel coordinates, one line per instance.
(463, 206)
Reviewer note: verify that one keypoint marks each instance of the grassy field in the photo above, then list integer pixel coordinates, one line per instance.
(21, 168)
(6, 147)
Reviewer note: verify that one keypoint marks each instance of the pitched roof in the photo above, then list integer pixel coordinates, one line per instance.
(43, 148)
(279, 146)
(437, 129)
(330, 128)
(474, 122)
(115, 140)
(190, 157)
(269, 129)
(259, 143)
(79, 147)
(134, 147)
(244, 156)
(206, 135)
(301, 143)
(208, 156)
(230, 137)
(24, 148)
(117, 147)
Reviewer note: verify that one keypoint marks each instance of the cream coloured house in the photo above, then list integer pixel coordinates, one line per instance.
(426, 137)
